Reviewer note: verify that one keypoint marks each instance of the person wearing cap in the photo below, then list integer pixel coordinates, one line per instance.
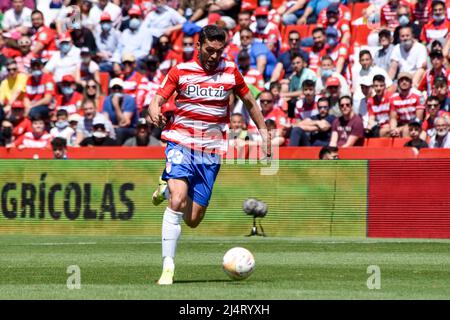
(440, 89)
(378, 107)
(333, 93)
(438, 27)
(107, 40)
(109, 7)
(348, 129)
(64, 61)
(441, 139)
(40, 90)
(143, 137)
(18, 17)
(44, 38)
(87, 69)
(69, 99)
(136, 39)
(437, 69)
(408, 56)
(20, 122)
(73, 119)
(121, 110)
(100, 137)
(62, 127)
(366, 86)
(405, 105)
(266, 31)
(337, 16)
(339, 52)
(12, 88)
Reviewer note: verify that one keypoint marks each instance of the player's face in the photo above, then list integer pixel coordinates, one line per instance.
(59, 152)
(210, 53)
(331, 156)
(378, 87)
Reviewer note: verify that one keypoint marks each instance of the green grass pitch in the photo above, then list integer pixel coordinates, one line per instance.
(126, 267)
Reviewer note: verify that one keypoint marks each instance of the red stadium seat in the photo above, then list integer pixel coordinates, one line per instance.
(399, 142)
(277, 3)
(434, 153)
(104, 82)
(355, 153)
(378, 142)
(357, 9)
(304, 30)
(360, 34)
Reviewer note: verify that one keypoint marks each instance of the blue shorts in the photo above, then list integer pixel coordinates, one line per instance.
(200, 169)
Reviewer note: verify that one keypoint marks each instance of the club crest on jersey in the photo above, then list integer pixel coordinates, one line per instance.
(208, 92)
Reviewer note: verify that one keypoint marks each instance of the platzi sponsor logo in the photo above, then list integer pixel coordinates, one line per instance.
(72, 200)
(194, 90)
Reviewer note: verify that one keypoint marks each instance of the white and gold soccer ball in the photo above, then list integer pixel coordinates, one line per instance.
(238, 263)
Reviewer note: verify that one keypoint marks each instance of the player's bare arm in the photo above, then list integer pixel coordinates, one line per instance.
(154, 114)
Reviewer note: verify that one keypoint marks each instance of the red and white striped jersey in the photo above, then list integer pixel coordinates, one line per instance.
(406, 107)
(36, 89)
(201, 116)
(136, 85)
(28, 140)
(303, 110)
(255, 78)
(380, 108)
(431, 32)
(388, 14)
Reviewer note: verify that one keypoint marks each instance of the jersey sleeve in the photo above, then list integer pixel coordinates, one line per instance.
(241, 88)
(169, 84)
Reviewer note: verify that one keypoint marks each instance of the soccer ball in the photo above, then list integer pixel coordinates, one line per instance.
(238, 263)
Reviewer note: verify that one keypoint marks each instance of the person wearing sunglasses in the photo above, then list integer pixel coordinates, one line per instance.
(348, 129)
(13, 87)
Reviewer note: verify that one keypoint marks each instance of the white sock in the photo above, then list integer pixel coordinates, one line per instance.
(171, 230)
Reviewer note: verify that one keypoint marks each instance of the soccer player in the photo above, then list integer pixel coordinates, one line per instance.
(196, 135)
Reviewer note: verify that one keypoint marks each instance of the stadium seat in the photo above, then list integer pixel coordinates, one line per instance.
(378, 142)
(304, 30)
(354, 153)
(399, 142)
(427, 153)
(277, 3)
(360, 35)
(357, 9)
(104, 82)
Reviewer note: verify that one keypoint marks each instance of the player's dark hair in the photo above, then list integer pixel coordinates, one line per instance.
(327, 150)
(58, 143)
(308, 83)
(379, 78)
(211, 33)
(364, 52)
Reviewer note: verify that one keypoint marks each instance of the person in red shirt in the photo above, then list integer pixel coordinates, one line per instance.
(378, 108)
(405, 105)
(134, 83)
(318, 50)
(69, 99)
(280, 118)
(438, 28)
(421, 11)
(266, 31)
(334, 17)
(38, 137)
(23, 60)
(432, 112)
(437, 69)
(251, 75)
(21, 123)
(39, 91)
(388, 14)
(44, 43)
(187, 53)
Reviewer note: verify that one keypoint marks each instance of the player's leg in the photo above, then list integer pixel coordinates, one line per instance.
(195, 216)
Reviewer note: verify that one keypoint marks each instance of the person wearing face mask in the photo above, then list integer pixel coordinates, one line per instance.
(121, 110)
(388, 17)
(87, 68)
(408, 56)
(187, 53)
(100, 137)
(106, 40)
(64, 61)
(441, 139)
(6, 136)
(405, 19)
(136, 40)
(62, 128)
(163, 20)
(328, 70)
(69, 99)
(106, 6)
(438, 28)
(43, 37)
(40, 90)
(266, 31)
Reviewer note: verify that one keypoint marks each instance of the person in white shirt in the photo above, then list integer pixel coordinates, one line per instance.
(163, 20)
(64, 61)
(62, 128)
(18, 16)
(106, 6)
(441, 139)
(328, 70)
(408, 56)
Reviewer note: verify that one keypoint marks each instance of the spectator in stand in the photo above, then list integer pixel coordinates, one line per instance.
(228, 8)
(415, 132)
(2, 56)
(277, 138)
(134, 40)
(348, 129)
(306, 105)
(311, 13)
(85, 9)
(244, 21)
(21, 124)
(6, 136)
(366, 84)
(106, 39)
(24, 58)
(284, 61)
(69, 99)
(237, 135)
(93, 91)
(278, 102)
(378, 108)
(187, 51)
(440, 89)
(163, 50)
(437, 69)
(339, 52)
(368, 70)
(193, 10)
(134, 83)
(99, 136)
(261, 57)
(17, 18)
(82, 36)
(405, 105)
(265, 31)
(432, 112)
(36, 138)
(106, 6)
(59, 147)
(163, 20)
(382, 57)
(13, 87)
(269, 112)
(388, 14)
(62, 127)
(318, 50)
(337, 16)
(441, 139)
(40, 91)
(291, 11)
(64, 61)
(44, 38)
(329, 153)
(328, 70)
(297, 78)
(314, 130)
(405, 20)
(121, 110)
(408, 56)
(143, 136)
(84, 126)
(438, 27)
(421, 11)
(333, 93)
(251, 75)
(87, 69)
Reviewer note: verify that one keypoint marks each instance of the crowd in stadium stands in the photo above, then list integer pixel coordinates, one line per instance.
(324, 72)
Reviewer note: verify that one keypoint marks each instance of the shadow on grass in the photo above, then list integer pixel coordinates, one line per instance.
(231, 282)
